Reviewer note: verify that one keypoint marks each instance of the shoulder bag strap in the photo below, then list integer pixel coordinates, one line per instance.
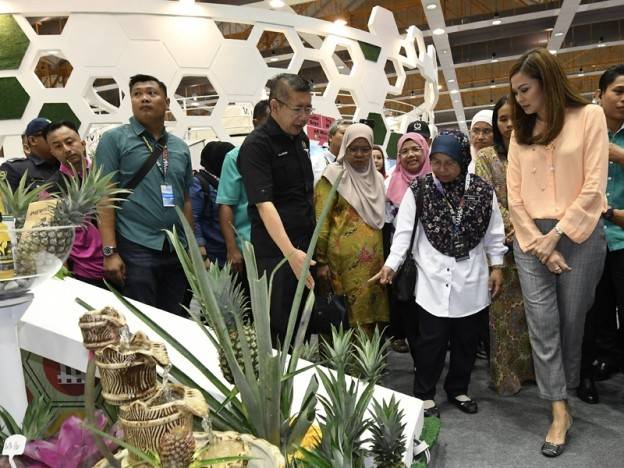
(418, 197)
(142, 172)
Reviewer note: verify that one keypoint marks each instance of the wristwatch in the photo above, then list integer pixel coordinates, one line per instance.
(558, 230)
(608, 215)
(109, 250)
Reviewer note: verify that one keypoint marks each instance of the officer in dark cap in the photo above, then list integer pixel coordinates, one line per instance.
(422, 128)
(39, 162)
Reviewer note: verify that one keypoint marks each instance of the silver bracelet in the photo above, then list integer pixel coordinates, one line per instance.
(558, 230)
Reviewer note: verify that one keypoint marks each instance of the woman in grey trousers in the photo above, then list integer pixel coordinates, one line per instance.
(556, 179)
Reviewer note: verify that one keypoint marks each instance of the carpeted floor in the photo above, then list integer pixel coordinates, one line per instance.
(508, 431)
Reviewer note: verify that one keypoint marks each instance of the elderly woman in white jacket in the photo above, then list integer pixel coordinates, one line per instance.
(458, 250)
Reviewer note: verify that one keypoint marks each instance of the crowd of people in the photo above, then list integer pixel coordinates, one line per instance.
(512, 228)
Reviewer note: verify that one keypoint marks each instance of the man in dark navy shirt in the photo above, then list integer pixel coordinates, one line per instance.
(39, 162)
(274, 162)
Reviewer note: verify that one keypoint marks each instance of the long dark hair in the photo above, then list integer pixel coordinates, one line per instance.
(541, 65)
(499, 141)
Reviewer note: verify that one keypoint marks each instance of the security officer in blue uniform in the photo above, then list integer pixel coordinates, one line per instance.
(39, 162)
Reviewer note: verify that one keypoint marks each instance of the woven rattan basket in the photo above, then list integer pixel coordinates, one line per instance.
(101, 328)
(128, 372)
(145, 422)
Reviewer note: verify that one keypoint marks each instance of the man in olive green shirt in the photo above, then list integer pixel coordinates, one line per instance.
(137, 254)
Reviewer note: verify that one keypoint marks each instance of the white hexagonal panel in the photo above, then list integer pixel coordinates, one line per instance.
(150, 58)
(92, 46)
(239, 69)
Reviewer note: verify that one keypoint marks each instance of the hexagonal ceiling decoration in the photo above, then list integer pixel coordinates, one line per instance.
(14, 99)
(215, 70)
(59, 111)
(13, 43)
(53, 70)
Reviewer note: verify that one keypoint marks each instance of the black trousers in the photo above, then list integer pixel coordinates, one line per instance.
(398, 309)
(602, 339)
(429, 352)
(282, 295)
(153, 277)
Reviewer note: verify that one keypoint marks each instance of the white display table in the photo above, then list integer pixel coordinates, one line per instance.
(50, 329)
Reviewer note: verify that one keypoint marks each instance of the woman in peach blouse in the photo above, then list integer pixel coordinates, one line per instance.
(556, 179)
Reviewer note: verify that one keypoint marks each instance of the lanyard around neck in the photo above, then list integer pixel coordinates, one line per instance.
(164, 155)
(458, 214)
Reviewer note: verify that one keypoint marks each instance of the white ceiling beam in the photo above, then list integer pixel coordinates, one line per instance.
(562, 25)
(526, 17)
(435, 19)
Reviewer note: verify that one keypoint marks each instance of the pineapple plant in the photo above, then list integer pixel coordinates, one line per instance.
(388, 434)
(234, 308)
(74, 205)
(176, 448)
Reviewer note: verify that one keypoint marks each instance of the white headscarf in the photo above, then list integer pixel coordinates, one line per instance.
(486, 116)
(364, 191)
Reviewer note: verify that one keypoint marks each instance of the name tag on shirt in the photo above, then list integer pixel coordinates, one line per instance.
(167, 195)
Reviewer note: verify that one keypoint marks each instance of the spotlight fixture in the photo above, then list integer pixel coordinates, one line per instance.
(450, 81)
(553, 51)
(277, 3)
(492, 84)
(496, 21)
(340, 22)
(601, 42)
(558, 34)
(432, 6)
(581, 73)
(438, 31)
(494, 59)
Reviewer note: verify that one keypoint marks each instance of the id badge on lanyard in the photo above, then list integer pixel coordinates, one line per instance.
(458, 242)
(166, 190)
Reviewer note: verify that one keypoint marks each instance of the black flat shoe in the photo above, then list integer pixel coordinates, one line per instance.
(433, 411)
(469, 406)
(552, 450)
(587, 391)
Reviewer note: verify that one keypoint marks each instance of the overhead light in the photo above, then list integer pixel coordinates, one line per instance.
(340, 67)
(454, 91)
(456, 101)
(492, 84)
(581, 73)
(558, 34)
(340, 22)
(450, 81)
(438, 31)
(273, 59)
(54, 52)
(601, 42)
(440, 86)
(445, 51)
(276, 3)
(496, 21)
(494, 59)
(553, 51)
(432, 6)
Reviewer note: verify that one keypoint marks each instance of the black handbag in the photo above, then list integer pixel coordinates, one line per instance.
(404, 283)
(329, 309)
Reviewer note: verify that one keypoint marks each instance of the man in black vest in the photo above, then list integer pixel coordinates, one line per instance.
(274, 162)
(39, 162)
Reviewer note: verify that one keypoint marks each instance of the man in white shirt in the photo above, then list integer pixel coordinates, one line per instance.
(321, 160)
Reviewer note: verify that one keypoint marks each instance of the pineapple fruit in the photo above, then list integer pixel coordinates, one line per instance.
(74, 205)
(388, 437)
(249, 334)
(234, 308)
(176, 448)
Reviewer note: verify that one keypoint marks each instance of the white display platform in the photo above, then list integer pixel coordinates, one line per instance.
(50, 329)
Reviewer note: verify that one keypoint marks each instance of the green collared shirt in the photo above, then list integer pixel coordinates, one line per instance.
(142, 217)
(615, 194)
